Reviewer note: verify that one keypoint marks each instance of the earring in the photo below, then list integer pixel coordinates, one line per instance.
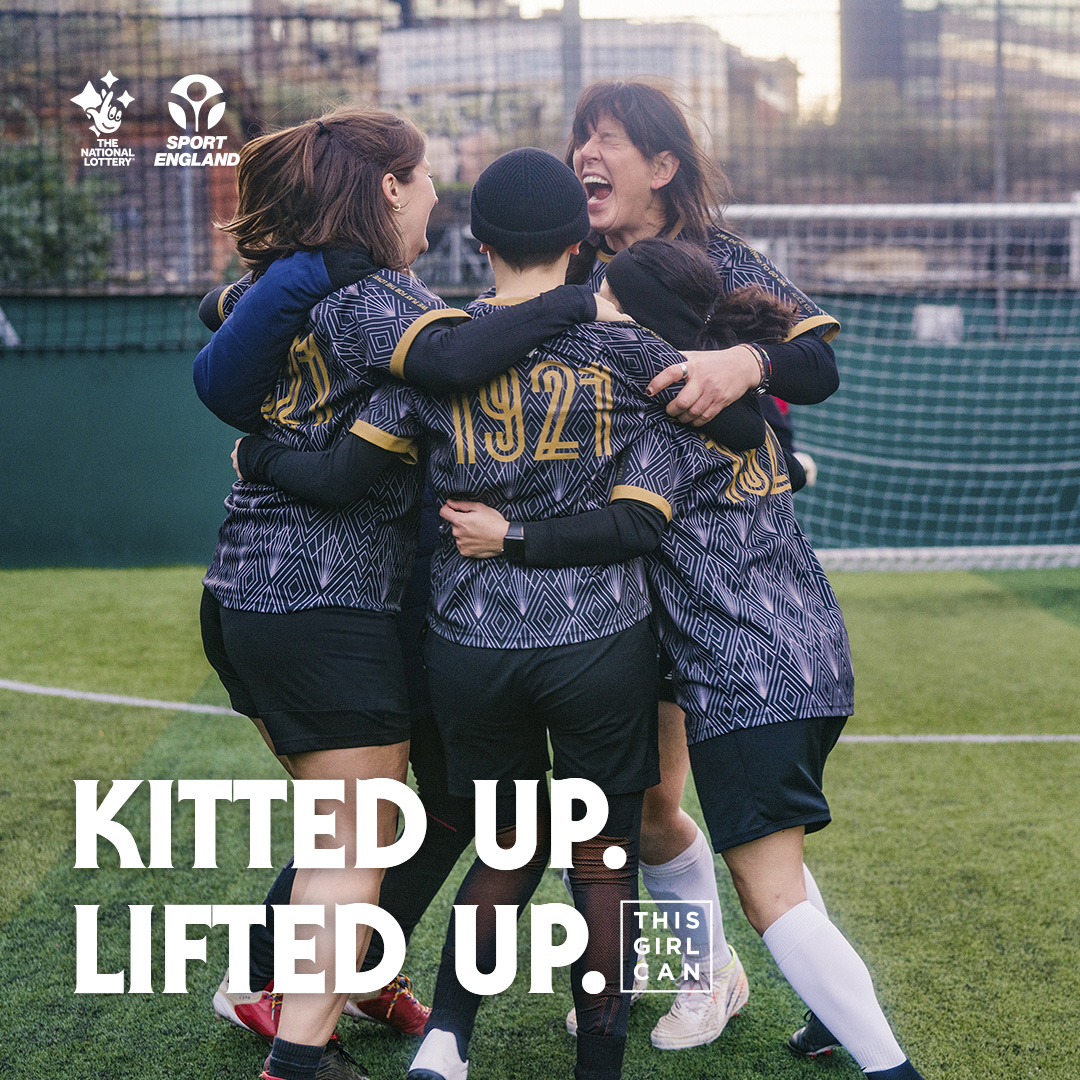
(396, 209)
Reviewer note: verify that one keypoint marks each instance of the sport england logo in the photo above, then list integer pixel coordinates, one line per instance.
(200, 107)
(196, 91)
(105, 111)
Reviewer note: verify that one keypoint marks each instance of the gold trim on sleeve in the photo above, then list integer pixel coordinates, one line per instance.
(401, 350)
(396, 444)
(621, 492)
(813, 321)
(221, 301)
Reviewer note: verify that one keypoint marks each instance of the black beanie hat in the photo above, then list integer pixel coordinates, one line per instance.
(528, 202)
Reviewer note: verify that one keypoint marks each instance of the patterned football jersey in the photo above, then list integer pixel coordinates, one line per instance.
(276, 553)
(737, 265)
(228, 297)
(542, 440)
(742, 605)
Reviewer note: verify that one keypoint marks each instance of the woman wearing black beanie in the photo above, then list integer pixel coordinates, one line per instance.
(761, 668)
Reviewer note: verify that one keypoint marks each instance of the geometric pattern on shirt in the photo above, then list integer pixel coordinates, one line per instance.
(742, 606)
(542, 440)
(276, 553)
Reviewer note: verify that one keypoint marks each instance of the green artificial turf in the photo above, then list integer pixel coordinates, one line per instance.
(133, 632)
(951, 867)
(950, 652)
(127, 632)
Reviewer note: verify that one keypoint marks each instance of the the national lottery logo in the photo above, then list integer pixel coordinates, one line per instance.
(197, 104)
(104, 109)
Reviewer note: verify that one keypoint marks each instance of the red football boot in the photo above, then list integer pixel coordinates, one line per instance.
(395, 1006)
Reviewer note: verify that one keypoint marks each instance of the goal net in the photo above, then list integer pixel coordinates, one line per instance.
(954, 439)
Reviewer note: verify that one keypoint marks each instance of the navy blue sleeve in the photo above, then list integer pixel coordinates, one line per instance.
(238, 368)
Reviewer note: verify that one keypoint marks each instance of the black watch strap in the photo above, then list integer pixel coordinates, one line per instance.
(514, 542)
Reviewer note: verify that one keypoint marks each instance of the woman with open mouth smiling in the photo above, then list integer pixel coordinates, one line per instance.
(646, 176)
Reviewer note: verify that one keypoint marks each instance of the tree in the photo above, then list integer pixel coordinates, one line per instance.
(52, 232)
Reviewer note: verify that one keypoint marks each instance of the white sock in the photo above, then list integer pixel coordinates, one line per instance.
(686, 887)
(439, 1053)
(813, 893)
(827, 973)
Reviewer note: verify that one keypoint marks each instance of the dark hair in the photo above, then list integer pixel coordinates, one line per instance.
(319, 184)
(521, 263)
(655, 121)
(719, 319)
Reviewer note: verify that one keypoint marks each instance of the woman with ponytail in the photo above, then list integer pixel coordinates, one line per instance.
(300, 602)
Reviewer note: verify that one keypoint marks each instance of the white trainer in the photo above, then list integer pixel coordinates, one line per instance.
(641, 983)
(438, 1058)
(698, 1016)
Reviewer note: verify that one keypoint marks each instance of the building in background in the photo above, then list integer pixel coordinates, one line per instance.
(481, 88)
(1003, 77)
(763, 110)
(945, 57)
(304, 41)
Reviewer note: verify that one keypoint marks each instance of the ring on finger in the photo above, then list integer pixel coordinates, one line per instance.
(684, 369)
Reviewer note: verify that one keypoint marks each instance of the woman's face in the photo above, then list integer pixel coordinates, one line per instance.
(417, 199)
(625, 201)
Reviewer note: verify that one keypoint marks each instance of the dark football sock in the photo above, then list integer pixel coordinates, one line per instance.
(261, 938)
(294, 1061)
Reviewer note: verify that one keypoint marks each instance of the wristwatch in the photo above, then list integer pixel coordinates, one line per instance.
(514, 542)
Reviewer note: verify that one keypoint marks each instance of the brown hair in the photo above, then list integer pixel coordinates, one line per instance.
(655, 121)
(749, 313)
(319, 184)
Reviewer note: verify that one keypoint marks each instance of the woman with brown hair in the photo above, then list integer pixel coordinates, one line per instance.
(646, 176)
(300, 602)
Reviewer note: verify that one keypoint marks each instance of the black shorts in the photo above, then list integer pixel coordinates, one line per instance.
(318, 679)
(596, 700)
(759, 780)
(665, 677)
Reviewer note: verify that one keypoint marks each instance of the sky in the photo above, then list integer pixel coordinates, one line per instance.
(806, 31)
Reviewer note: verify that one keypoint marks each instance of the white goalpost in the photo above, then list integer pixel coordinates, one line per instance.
(954, 440)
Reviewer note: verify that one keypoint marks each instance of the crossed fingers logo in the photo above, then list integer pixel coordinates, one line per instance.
(103, 111)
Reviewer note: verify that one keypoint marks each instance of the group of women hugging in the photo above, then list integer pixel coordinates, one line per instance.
(529, 536)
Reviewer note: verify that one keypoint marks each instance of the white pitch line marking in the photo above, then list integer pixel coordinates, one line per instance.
(221, 710)
(115, 699)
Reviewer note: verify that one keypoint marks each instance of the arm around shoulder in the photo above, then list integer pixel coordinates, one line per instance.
(238, 368)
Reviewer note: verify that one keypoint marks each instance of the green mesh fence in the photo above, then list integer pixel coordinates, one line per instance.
(955, 424)
(970, 440)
